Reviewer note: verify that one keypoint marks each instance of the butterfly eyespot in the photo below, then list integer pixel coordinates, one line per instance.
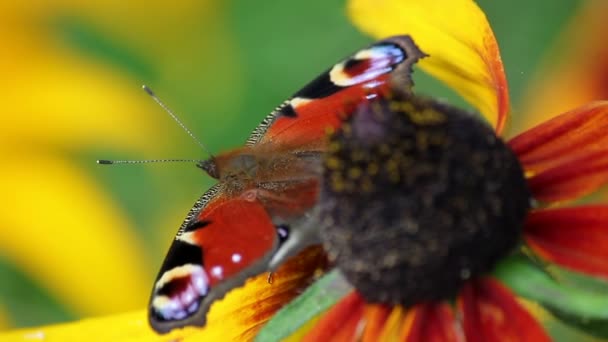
(283, 232)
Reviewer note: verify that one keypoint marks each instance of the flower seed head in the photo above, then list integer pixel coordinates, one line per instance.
(417, 197)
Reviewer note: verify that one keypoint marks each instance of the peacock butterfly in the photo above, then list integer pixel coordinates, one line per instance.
(256, 216)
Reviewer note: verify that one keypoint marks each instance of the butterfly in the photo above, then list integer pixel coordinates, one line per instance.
(258, 214)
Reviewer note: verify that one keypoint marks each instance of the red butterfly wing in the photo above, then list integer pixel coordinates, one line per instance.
(326, 101)
(231, 239)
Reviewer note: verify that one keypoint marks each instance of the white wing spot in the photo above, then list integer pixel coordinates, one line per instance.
(217, 271)
(236, 258)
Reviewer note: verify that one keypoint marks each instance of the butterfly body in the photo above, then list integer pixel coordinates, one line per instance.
(278, 177)
(257, 216)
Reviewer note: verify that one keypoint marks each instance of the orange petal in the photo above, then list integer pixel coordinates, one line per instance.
(375, 318)
(491, 313)
(340, 322)
(567, 157)
(385, 323)
(395, 324)
(433, 323)
(576, 238)
(460, 43)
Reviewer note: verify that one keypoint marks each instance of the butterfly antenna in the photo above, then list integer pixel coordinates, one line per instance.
(111, 162)
(179, 122)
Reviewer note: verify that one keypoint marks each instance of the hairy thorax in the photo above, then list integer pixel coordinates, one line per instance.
(285, 180)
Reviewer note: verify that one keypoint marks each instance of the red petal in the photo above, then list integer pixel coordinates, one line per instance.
(433, 323)
(491, 313)
(576, 238)
(572, 179)
(340, 322)
(566, 157)
(563, 138)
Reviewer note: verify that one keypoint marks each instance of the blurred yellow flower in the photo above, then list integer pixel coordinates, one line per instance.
(69, 93)
(575, 70)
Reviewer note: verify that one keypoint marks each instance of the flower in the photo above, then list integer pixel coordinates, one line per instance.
(71, 246)
(562, 160)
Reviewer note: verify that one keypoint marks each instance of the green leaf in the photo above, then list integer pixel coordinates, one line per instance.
(320, 296)
(27, 303)
(575, 299)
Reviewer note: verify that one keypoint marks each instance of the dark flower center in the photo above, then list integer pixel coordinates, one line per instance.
(418, 197)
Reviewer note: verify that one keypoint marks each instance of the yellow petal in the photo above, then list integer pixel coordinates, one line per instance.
(237, 317)
(62, 232)
(244, 310)
(456, 35)
(395, 324)
(123, 327)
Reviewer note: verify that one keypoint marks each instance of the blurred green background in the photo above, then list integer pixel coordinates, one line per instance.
(78, 239)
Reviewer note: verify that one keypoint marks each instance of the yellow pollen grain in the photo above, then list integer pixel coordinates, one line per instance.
(334, 146)
(367, 186)
(390, 259)
(392, 165)
(333, 163)
(337, 183)
(426, 116)
(354, 173)
(384, 149)
(347, 130)
(422, 141)
(437, 139)
(349, 187)
(404, 107)
(372, 169)
(394, 177)
(377, 110)
(406, 145)
(406, 161)
(357, 155)
(393, 106)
